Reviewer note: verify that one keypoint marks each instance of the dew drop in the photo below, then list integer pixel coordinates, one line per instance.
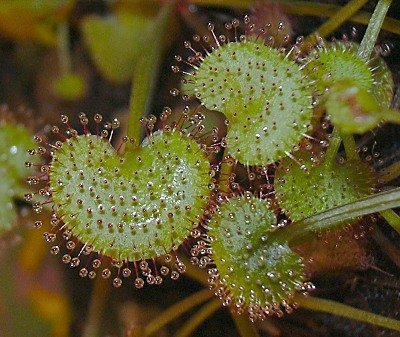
(117, 282)
(106, 273)
(139, 283)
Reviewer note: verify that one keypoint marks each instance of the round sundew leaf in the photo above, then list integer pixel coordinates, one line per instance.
(263, 94)
(15, 141)
(254, 275)
(338, 61)
(137, 206)
(8, 212)
(302, 194)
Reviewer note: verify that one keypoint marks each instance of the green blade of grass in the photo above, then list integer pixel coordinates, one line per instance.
(336, 20)
(339, 309)
(392, 218)
(146, 71)
(308, 8)
(320, 9)
(177, 310)
(199, 317)
(373, 29)
(338, 216)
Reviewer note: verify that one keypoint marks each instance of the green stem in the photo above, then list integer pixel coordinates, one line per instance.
(390, 173)
(146, 71)
(350, 147)
(177, 310)
(226, 170)
(198, 318)
(364, 52)
(373, 29)
(244, 326)
(63, 49)
(392, 116)
(336, 20)
(97, 304)
(339, 309)
(337, 216)
(333, 147)
(392, 218)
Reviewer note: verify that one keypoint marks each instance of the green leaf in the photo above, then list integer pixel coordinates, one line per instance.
(352, 108)
(336, 216)
(140, 193)
(373, 29)
(70, 87)
(263, 94)
(8, 212)
(15, 141)
(115, 42)
(146, 70)
(25, 20)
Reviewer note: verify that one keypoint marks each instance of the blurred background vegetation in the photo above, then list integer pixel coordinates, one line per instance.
(69, 56)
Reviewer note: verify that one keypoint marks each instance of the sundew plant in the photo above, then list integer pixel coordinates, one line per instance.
(214, 162)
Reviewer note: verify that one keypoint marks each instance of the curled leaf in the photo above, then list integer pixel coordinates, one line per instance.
(354, 110)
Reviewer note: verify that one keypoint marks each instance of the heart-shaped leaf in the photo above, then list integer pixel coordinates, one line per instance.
(130, 207)
(262, 92)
